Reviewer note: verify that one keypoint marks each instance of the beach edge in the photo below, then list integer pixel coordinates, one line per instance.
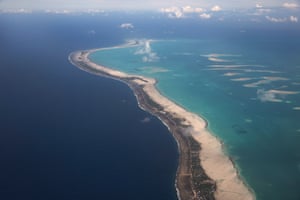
(204, 171)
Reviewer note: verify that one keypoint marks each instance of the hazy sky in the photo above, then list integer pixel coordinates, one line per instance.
(136, 4)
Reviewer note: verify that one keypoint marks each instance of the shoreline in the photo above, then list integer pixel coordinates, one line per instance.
(204, 171)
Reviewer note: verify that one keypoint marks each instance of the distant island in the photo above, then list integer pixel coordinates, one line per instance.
(204, 171)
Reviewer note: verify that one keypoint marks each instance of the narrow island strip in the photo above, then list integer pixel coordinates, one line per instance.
(205, 172)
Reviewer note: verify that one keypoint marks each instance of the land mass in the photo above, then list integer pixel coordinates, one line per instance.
(204, 171)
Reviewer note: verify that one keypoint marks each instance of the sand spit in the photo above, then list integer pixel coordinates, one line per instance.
(204, 172)
(241, 79)
(265, 80)
(231, 74)
(283, 92)
(215, 59)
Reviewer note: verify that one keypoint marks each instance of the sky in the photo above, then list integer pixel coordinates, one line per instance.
(273, 11)
(136, 4)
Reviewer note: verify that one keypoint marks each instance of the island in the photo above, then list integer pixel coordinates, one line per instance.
(205, 172)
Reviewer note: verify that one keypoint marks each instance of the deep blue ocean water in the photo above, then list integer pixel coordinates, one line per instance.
(66, 134)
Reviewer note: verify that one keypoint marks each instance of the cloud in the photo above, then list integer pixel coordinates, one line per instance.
(94, 10)
(173, 12)
(21, 10)
(189, 9)
(216, 8)
(205, 16)
(276, 20)
(148, 54)
(261, 11)
(258, 5)
(64, 11)
(197, 10)
(71, 11)
(293, 19)
(181, 12)
(80, 5)
(290, 5)
(281, 20)
(126, 26)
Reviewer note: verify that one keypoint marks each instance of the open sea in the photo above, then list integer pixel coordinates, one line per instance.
(67, 134)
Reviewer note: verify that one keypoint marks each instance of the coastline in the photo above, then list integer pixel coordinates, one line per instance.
(204, 171)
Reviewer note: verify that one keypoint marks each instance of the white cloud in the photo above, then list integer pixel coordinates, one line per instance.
(21, 10)
(148, 54)
(216, 8)
(261, 11)
(197, 10)
(205, 16)
(258, 5)
(71, 11)
(290, 5)
(181, 12)
(264, 10)
(190, 9)
(276, 20)
(293, 19)
(94, 11)
(173, 12)
(80, 5)
(64, 11)
(127, 26)
(187, 9)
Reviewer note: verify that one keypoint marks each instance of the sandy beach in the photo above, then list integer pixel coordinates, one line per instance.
(215, 171)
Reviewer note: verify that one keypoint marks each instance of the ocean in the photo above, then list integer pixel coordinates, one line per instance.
(247, 88)
(67, 134)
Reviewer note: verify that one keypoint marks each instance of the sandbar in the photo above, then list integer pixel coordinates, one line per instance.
(296, 108)
(204, 171)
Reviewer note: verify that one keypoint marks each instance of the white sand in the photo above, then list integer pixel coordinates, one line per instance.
(231, 74)
(241, 79)
(214, 161)
(284, 92)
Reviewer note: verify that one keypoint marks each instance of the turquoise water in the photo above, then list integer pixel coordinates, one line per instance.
(248, 90)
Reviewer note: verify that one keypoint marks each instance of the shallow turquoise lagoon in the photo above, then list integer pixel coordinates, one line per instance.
(248, 90)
